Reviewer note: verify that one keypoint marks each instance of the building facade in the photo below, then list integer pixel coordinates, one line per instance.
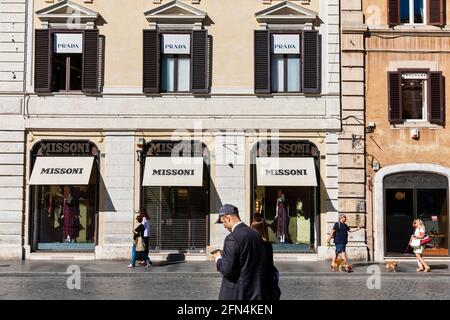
(13, 46)
(403, 48)
(178, 107)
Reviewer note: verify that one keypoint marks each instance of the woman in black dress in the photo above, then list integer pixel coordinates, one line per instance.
(272, 276)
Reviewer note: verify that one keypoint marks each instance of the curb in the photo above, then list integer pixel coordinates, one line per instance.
(210, 274)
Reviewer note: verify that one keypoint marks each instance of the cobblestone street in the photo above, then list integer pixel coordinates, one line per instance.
(199, 281)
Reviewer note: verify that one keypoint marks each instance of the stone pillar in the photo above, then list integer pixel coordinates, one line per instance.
(229, 180)
(117, 218)
(352, 138)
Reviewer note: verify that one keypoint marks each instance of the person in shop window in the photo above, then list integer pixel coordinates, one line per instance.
(282, 217)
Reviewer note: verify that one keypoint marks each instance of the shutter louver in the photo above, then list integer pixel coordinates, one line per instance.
(262, 61)
(395, 103)
(42, 62)
(436, 109)
(394, 12)
(151, 61)
(90, 61)
(311, 61)
(436, 12)
(199, 82)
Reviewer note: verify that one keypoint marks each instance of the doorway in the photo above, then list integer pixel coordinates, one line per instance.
(416, 195)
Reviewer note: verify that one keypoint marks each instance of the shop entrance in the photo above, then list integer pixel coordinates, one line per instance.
(416, 195)
(175, 194)
(286, 192)
(64, 196)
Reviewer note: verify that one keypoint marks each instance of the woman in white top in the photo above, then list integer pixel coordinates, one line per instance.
(419, 233)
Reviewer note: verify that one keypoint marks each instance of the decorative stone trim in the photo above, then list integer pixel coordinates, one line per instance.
(378, 214)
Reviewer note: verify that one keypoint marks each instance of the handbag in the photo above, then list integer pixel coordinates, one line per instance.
(425, 240)
(140, 246)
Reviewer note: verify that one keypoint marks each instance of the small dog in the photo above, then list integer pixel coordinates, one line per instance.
(341, 266)
(391, 266)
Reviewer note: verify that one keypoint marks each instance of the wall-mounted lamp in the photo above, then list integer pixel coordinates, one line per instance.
(370, 127)
(140, 152)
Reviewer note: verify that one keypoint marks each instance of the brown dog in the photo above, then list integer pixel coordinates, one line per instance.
(391, 266)
(341, 266)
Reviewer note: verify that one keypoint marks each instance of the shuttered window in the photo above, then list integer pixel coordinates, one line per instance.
(151, 61)
(90, 61)
(262, 61)
(431, 12)
(416, 96)
(311, 61)
(436, 12)
(42, 62)
(173, 66)
(395, 109)
(200, 57)
(67, 61)
(437, 105)
(282, 67)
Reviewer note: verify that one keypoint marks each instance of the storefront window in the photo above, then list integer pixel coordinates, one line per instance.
(175, 194)
(410, 196)
(65, 216)
(285, 186)
(64, 195)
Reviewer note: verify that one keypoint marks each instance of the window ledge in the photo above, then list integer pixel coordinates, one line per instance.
(415, 125)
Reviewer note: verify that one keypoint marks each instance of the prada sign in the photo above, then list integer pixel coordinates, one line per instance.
(68, 43)
(74, 148)
(286, 44)
(286, 172)
(173, 171)
(176, 43)
(62, 171)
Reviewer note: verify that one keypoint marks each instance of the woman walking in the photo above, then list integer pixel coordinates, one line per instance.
(146, 224)
(138, 243)
(415, 242)
(272, 276)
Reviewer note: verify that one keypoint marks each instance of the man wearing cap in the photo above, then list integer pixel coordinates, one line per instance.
(243, 260)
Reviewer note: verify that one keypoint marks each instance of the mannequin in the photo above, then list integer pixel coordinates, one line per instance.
(70, 212)
(282, 217)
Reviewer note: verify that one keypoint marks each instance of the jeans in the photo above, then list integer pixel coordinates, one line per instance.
(133, 255)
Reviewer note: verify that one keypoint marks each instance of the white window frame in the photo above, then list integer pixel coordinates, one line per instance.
(425, 99)
(411, 14)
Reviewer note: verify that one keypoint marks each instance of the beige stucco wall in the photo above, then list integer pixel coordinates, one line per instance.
(393, 144)
(229, 22)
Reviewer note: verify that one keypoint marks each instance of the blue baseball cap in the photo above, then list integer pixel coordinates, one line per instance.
(227, 209)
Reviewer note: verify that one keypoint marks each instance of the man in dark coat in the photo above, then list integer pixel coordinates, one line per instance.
(243, 260)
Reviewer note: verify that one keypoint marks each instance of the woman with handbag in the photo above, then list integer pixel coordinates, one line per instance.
(272, 274)
(416, 242)
(138, 243)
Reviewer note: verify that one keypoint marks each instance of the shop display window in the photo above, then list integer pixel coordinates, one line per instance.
(64, 216)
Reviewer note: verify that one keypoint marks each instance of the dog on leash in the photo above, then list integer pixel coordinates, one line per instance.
(341, 266)
(391, 266)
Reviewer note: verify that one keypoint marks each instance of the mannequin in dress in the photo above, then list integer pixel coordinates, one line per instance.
(70, 212)
(282, 217)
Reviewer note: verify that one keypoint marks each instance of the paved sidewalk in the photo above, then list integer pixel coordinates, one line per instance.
(119, 268)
